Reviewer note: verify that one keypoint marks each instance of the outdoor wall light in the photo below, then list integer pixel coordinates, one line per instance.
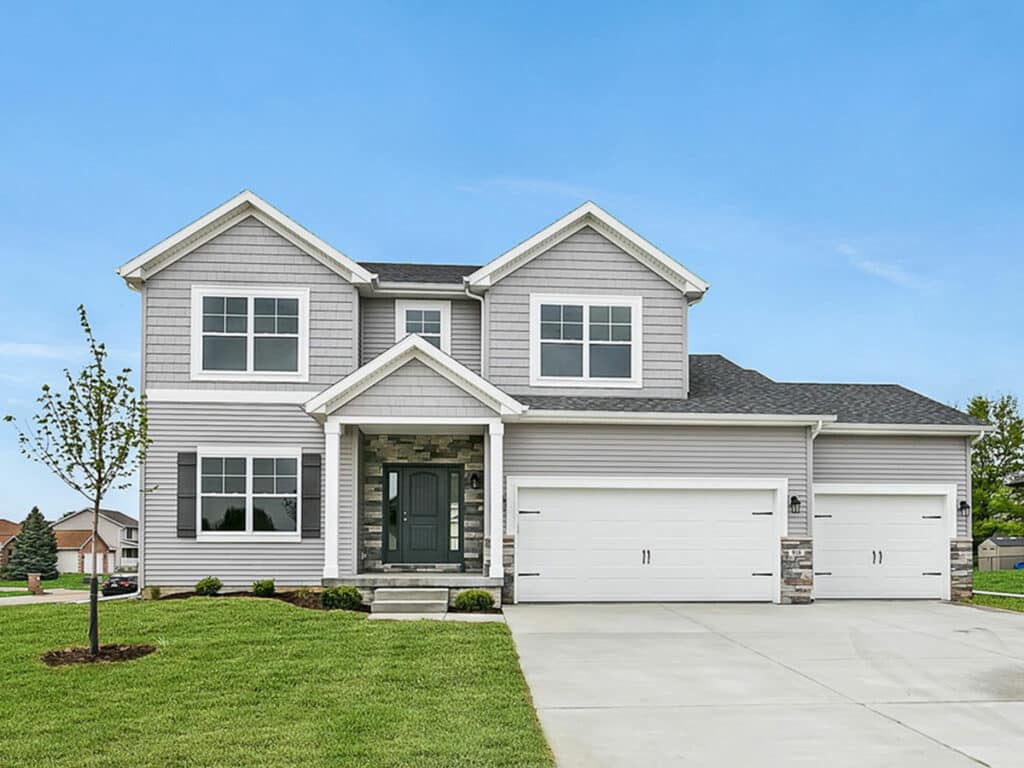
(794, 505)
(964, 509)
(474, 481)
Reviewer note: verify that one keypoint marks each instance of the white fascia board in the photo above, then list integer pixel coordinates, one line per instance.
(589, 214)
(415, 290)
(966, 430)
(412, 348)
(691, 419)
(229, 213)
(248, 396)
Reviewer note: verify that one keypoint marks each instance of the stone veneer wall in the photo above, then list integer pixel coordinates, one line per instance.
(508, 550)
(378, 450)
(961, 569)
(797, 570)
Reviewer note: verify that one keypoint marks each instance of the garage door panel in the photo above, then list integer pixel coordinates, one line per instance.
(874, 545)
(588, 544)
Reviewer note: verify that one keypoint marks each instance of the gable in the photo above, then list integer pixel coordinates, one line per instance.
(414, 390)
(589, 215)
(244, 205)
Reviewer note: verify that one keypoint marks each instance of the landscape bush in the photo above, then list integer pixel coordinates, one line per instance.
(208, 587)
(263, 588)
(345, 597)
(474, 600)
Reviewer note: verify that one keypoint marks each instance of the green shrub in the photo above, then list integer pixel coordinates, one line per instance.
(208, 587)
(474, 600)
(154, 593)
(264, 588)
(346, 597)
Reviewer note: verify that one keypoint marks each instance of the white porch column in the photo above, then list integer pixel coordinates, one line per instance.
(332, 471)
(495, 481)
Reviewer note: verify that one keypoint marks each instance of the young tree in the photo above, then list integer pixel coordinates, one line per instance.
(997, 509)
(34, 549)
(93, 437)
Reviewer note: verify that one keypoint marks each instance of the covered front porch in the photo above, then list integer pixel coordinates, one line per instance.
(413, 475)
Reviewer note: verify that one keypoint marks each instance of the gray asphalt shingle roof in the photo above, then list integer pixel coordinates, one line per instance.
(389, 272)
(718, 385)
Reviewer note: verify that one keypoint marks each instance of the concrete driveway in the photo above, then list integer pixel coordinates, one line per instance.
(860, 684)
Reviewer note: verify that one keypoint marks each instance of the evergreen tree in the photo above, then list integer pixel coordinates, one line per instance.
(35, 548)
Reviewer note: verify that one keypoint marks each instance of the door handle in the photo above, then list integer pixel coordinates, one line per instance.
(648, 557)
(879, 557)
(874, 557)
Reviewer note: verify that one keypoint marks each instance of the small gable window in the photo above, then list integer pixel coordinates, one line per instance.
(585, 341)
(257, 334)
(431, 320)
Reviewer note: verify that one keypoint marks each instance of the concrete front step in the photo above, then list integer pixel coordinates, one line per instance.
(409, 600)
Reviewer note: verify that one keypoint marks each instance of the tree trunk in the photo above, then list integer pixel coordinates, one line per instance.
(94, 630)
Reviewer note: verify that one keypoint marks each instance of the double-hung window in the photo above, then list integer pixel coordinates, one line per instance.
(590, 341)
(257, 334)
(430, 320)
(249, 492)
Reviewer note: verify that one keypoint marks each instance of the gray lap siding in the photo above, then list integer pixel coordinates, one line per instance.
(248, 253)
(665, 451)
(378, 330)
(180, 427)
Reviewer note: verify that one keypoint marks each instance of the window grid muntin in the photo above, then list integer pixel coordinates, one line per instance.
(425, 323)
(218, 462)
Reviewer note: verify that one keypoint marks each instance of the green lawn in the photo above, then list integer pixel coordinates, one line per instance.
(1006, 603)
(63, 581)
(247, 682)
(14, 594)
(1000, 581)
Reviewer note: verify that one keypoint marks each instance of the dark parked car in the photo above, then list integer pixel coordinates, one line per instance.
(120, 584)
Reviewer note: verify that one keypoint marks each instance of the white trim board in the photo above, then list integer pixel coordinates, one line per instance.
(590, 215)
(249, 396)
(443, 307)
(246, 203)
(779, 485)
(851, 428)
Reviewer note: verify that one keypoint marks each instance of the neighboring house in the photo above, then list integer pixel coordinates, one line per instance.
(8, 530)
(535, 425)
(74, 552)
(118, 532)
(999, 553)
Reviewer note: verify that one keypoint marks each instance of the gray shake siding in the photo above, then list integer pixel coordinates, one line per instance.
(894, 459)
(249, 253)
(587, 263)
(667, 451)
(378, 322)
(181, 427)
(415, 390)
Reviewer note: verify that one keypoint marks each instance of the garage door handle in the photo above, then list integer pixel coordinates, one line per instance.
(823, 573)
(879, 557)
(761, 513)
(931, 573)
(817, 516)
(874, 557)
(762, 573)
(931, 517)
(527, 574)
(529, 511)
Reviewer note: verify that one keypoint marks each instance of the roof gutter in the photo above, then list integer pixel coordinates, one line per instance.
(539, 416)
(934, 430)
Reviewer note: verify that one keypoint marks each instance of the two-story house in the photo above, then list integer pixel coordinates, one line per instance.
(116, 548)
(535, 426)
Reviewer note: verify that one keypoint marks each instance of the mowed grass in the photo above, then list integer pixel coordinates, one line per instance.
(1006, 603)
(19, 593)
(63, 581)
(1000, 581)
(248, 682)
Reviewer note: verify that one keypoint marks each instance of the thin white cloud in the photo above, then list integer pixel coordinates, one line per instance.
(528, 186)
(884, 270)
(44, 351)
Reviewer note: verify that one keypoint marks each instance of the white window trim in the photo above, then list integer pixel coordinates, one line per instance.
(248, 291)
(635, 303)
(248, 452)
(403, 305)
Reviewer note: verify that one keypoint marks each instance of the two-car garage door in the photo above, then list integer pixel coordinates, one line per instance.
(636, 539)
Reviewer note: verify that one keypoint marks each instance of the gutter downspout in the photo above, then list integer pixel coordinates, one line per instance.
(811, 435)
(484, 328)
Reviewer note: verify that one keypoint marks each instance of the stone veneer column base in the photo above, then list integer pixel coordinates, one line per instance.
(797, 570)
(961, 569)
(508, 546)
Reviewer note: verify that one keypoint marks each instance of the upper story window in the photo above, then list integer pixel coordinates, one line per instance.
(257, 334)
(131, 533)
(429, 319)
(586, 341)
(248, 492)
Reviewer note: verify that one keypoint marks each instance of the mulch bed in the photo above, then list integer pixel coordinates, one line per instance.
(108, 653)
(310, 601)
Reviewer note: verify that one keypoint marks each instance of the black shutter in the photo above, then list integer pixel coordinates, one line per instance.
(311, 495)
(186, 495)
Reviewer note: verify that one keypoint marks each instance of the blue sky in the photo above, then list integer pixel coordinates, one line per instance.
(846, 176)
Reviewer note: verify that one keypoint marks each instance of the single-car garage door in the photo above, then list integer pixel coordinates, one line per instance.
(652, 540)
(882, 541)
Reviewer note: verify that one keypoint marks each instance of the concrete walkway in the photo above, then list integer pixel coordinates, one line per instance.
(50, 596)
(842, 684)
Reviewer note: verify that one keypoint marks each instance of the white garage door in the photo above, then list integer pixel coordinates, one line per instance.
(873, 544)
(643, 543)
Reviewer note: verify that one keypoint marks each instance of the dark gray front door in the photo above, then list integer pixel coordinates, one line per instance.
(426, 515)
